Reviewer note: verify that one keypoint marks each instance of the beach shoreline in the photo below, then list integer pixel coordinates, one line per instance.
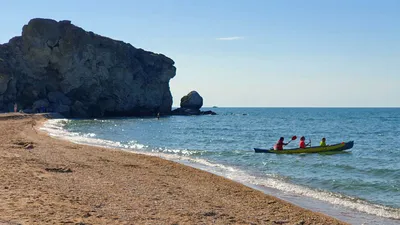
(47, 181)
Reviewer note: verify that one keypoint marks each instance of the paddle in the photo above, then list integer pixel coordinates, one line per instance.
(293, 138)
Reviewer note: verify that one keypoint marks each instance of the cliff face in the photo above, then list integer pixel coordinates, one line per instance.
(59, 67)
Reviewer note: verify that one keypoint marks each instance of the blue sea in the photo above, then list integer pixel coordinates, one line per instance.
(360, 186)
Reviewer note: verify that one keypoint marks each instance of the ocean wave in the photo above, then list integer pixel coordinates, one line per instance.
(181, 152)
(55, 128)
(280, 183)
(330, 197)
(391, 173)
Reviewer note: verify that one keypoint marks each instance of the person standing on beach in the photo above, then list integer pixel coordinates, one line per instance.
(15, 107)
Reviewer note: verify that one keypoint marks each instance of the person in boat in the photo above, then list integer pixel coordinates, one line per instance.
(323, 142)
(279, 145)
(302, 143)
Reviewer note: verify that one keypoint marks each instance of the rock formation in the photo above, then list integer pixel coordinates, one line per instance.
(192, 101)
(56, 66)
(191, 104)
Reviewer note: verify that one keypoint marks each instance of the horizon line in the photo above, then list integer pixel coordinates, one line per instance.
(296, 107)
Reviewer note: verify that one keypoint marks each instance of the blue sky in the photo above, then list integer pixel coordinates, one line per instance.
(331, 53)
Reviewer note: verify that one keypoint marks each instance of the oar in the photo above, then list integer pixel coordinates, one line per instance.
(293, 138)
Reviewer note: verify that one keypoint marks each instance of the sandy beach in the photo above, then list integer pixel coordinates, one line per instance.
(49, 181)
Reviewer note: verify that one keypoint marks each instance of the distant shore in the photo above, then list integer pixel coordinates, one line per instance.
(50, 181)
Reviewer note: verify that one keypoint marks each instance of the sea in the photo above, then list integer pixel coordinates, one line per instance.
(358, 186)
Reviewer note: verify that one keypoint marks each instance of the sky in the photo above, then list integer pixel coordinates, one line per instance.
(250, 53)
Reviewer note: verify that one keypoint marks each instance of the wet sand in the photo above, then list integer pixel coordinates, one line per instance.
(49, 181)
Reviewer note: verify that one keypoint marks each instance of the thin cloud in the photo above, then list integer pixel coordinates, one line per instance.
(230, 38)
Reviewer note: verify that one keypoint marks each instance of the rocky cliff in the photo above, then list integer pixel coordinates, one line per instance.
(56, 66)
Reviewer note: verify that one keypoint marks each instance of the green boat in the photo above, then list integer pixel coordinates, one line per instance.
(317, 149)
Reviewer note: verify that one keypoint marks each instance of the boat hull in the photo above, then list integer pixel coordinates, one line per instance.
(317, 149)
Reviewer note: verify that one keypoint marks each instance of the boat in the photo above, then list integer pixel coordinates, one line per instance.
(317, 149)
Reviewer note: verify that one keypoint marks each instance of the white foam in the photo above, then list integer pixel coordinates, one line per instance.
(184, 152)
(55, 128)
(89, 135)
(273, 181)
(333, 198)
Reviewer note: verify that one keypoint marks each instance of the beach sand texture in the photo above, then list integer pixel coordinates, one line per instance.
(49, 181)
